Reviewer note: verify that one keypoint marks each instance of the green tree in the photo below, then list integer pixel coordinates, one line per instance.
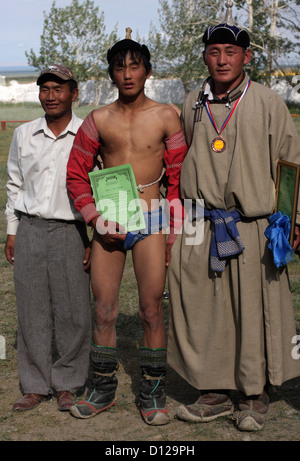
(176, 47)
(177, 50)
(274, 29)
(74, 36)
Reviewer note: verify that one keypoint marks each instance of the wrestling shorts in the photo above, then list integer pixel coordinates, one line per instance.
(155, 220)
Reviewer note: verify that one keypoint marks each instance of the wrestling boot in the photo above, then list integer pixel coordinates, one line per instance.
(102, 383)
(152, 396)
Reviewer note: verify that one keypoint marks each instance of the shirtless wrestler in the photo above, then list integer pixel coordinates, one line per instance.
(137, 130)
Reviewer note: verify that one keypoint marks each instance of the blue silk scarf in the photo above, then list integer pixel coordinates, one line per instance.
(277, 233)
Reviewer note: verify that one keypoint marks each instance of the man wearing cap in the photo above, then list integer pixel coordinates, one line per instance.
(231, 321)
(48, 246)
(138, 131)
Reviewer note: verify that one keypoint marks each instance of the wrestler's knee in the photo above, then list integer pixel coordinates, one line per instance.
(106, 314)
(151, 315)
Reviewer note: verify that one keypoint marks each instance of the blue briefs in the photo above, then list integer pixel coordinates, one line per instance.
(155, 221)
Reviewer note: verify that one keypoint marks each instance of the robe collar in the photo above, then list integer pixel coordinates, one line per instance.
(232, 95)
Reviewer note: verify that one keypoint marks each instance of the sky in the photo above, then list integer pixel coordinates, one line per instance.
(21, 23)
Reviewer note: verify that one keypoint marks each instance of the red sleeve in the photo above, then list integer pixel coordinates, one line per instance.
(176, 150)
(81, 161)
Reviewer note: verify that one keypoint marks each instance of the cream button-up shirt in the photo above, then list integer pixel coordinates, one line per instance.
(37, 166)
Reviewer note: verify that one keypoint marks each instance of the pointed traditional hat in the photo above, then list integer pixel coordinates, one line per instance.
(227, 32)
(128, 44)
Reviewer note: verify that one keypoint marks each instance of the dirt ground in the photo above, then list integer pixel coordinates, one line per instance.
(123, 421)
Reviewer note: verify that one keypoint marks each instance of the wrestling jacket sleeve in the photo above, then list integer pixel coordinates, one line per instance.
(85, 149)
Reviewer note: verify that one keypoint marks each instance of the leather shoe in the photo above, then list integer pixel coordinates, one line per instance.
(65, 400)
(29, 401)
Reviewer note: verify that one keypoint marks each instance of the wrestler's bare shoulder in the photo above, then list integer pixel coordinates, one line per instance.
(104, 111)
(149, 104)
(153, 114)
(167, 118)
(164, 110)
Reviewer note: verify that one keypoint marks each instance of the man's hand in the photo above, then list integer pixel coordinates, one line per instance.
(87, 258)
(176, 108)
(110, 231)
(296, 239)
(168, 253)
(9, 248)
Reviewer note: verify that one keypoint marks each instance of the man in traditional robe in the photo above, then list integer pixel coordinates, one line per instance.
(231, 324)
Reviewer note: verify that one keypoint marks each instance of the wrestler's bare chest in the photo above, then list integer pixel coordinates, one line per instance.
(131, 138)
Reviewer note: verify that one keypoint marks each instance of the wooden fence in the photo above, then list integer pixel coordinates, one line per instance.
(4, 122)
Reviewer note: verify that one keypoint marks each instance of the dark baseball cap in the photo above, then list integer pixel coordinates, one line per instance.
(63, 72)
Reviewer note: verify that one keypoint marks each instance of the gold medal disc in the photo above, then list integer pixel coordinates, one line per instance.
(218, 144)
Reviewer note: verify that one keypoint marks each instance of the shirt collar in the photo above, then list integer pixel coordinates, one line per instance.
(42, 126)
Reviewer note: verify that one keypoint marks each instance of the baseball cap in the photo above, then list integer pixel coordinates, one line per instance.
(60, 71)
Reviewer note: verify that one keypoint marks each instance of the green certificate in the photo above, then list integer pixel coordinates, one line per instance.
(117, 198)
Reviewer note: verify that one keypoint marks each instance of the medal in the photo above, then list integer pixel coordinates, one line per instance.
(218, 144)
